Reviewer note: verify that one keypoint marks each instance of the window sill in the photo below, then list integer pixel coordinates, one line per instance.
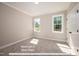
(36, 31)
(57, 31)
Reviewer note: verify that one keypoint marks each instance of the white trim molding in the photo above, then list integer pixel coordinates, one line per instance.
(62, 23)
(16, 8)
(10, 44)
(48, 37)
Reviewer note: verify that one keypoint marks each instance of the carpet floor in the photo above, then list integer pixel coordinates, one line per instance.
(37, 46)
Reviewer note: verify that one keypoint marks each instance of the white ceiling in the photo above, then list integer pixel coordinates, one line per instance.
(39, 9)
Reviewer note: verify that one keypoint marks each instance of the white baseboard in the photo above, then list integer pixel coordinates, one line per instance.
(30, 36)
(10, 44)
(59, 38)
(55, 39)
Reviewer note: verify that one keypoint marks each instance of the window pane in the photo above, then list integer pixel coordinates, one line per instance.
(57, 23)
(37, 24)
(55, 20)
(57, 27)
(59, 19)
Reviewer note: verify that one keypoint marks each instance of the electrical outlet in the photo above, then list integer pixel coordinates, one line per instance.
(77, 11)
(77, 30)
(77, 50)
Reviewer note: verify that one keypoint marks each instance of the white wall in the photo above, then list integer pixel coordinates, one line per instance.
(73, 20)
(73, 26)
(46, 28)
(14, 25)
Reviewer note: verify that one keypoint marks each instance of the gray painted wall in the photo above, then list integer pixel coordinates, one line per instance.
(14, 25)
(46, 28)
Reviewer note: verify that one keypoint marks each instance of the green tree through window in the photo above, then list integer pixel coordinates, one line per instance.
(37, 24)
(57, 23)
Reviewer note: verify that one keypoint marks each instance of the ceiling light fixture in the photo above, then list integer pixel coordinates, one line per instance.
(36, 2)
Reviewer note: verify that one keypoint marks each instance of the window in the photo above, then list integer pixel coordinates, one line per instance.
(57, 23)
(37, 24)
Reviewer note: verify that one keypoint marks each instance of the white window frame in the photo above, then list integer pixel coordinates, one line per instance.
(53, 23)
(34, 25)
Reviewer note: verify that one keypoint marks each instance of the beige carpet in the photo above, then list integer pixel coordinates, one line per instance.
(37, 46)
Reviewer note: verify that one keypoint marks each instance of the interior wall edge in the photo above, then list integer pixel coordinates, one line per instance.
(16, 9)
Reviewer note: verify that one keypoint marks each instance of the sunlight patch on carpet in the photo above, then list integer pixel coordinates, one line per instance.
(34, 41)
(64, 48)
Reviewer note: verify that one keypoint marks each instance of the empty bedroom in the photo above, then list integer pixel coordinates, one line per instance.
(39, 28)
